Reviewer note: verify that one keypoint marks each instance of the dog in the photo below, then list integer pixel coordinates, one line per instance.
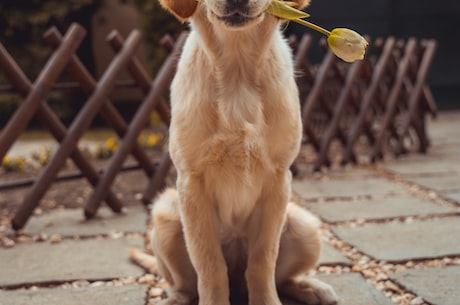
(234, 133)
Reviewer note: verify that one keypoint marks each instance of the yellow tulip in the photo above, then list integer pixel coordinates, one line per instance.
(347, 44)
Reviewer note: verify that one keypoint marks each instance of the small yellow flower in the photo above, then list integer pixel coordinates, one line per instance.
(154, 139)
(6, 159)
(42, 155)
(111, 144)
(10, 164)
(150, 139)
(347, 44)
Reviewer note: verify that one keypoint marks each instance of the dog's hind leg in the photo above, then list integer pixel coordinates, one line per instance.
(299, 251)
(168, 244)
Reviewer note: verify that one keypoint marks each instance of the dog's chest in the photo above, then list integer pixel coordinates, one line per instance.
(234, 168)
(233, 129)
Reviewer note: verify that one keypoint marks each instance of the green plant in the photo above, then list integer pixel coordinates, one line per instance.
(24, 21)
(13, 164)
(22, 24)
(106, 150)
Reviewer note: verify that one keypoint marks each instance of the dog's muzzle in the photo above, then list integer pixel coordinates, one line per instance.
(237, 13)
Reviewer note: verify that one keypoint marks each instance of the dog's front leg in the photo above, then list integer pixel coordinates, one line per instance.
(264, 237)
(201, 230)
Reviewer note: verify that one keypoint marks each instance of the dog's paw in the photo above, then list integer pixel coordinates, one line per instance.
(178, 299)
(310, 291)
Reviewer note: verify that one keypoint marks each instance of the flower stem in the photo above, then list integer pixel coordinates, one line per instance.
(312, 26)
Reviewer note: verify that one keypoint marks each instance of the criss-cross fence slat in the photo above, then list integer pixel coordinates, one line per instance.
(64, 58)
(339, 110)
(49, 120)
(80, 124)
(419, 92)
(158, 87)
(383, 100)
(40, 88)
(314, 98)
(108, 112)
(362, 122)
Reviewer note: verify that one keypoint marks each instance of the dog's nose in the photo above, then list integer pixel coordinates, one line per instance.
(235, 4)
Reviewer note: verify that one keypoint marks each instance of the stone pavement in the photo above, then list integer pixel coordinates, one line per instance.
(391, 236)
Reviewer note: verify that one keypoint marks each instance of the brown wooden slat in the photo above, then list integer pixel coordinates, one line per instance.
(76, 129)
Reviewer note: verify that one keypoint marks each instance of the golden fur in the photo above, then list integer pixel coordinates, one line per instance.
(235, 131)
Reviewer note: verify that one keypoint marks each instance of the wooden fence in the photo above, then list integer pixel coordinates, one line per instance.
(383, 99)
(34, 104)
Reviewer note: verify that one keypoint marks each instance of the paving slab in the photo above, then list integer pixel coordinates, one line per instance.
(441, 183)
(69, 260)
(71, 222)
(444, 129)
(380, 208)
(338, 188)
(330, 256)
(121, 295)
(448, 151)
(422, 165)
(353, 289)
(395, 241)
(436, 285)
(347, 173)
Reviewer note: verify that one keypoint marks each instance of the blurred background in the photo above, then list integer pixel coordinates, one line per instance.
(22, 23)
(403, 19)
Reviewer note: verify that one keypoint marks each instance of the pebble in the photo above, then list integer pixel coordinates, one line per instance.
(381, 276)
(391, 286)
(55, 239)
(417, 301)
(147, 279)
(8, 243)
(156, 292)
(40, 237)
(116, 235)
(128, 280)
(81, 283)
(23, 239)
(97, 284)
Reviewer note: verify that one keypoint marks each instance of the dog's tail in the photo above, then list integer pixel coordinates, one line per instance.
(146, 261)
(164, 210)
